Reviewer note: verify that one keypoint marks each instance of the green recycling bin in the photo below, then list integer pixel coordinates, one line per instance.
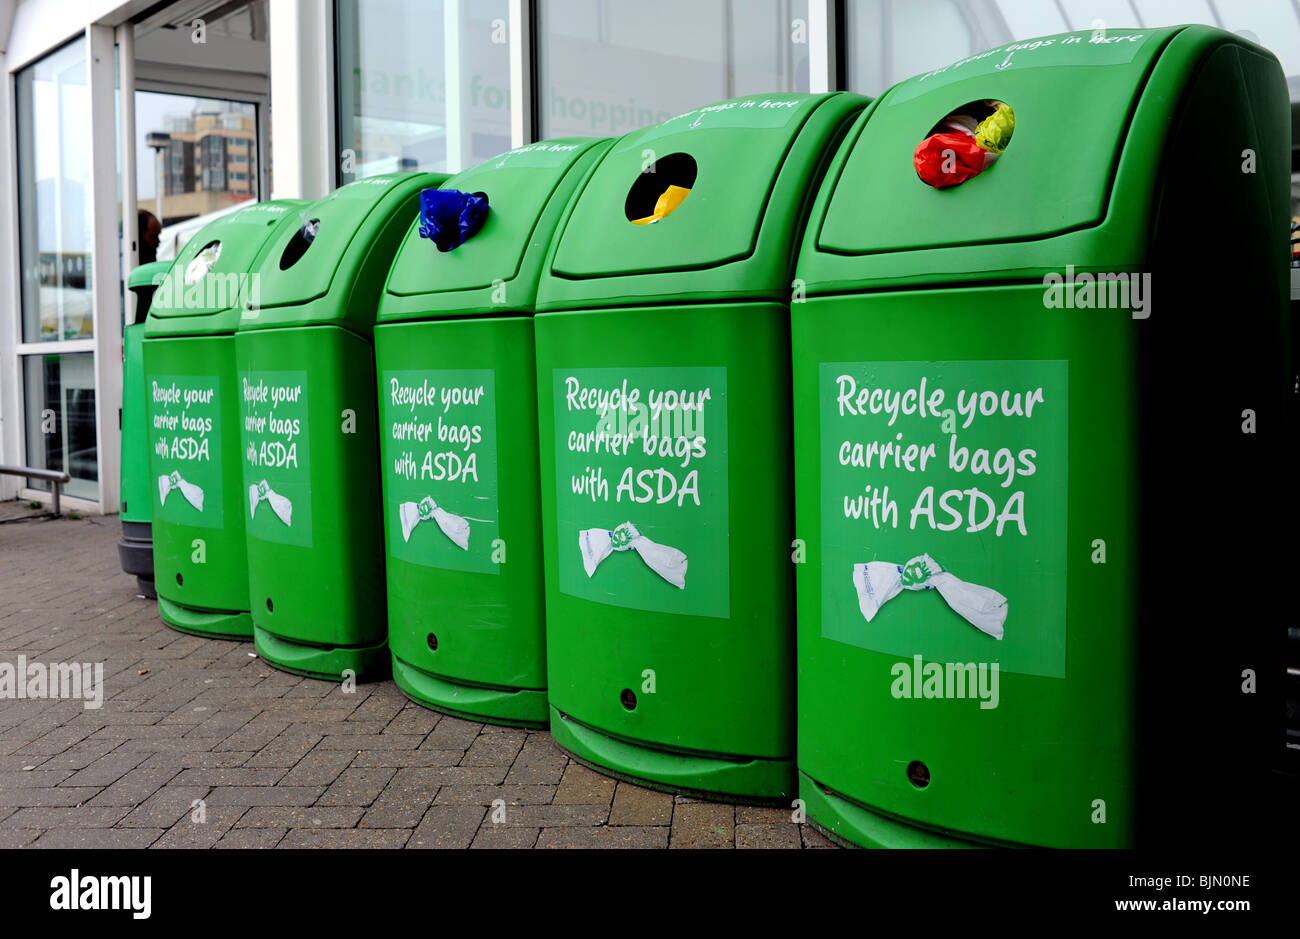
(193, 413)
(664, 411)
(135, 547)
(1012, 501)
(310, 450)
(458, 441)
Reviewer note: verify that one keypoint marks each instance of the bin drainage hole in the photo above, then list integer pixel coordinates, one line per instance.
(270, 607)
(964, 144)
(180, 581)
(660, 189)
(918, 774)
(299, 243)
(628, 699)
(433, 642)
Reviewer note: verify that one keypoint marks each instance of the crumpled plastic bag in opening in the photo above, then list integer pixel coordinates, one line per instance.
(449, 217)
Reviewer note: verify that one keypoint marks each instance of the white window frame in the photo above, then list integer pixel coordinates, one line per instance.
(105, 268)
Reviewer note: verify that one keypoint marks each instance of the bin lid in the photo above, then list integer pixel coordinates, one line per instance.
(527, 189)
(148, 275)
(208, 277)
(745, 167)
(1074, 96)
(327, 247)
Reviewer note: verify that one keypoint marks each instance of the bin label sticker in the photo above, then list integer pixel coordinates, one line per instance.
(944, 510)
(641, 487)
(277, 456)
(1089, 47)
(441, 468)
(185, 448)
(771, 112)
(544, 155)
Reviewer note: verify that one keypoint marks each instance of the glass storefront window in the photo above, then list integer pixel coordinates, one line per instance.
(60, 395)
(610, 66)
(54, 210)
(194, 156)
(422, 84)
(887, 41)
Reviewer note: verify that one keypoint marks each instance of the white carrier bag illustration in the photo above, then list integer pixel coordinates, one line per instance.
(192, 493)
(261, 492)
(878, 582)
(597, 544)
(453, 526)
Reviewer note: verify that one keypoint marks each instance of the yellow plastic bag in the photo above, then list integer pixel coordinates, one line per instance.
(672, 197)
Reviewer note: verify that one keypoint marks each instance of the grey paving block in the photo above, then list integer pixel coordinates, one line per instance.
(490, 837)
(413, 719)
(69, 816)
(452, 733)
(188, 833)
(32, 779)
(108, 769)
(295, 816)
(628, 836)
(97, 838)
(166, 807)
(636, 805)
(357, 786)
(136, 786)
(264, 795)
(318, 768)
(345, 838)
(375, 741)
(18, 837)
(486, 795)
(492, 750)
(408, 758)
(229, 776)
(812, 838)
(49, 796)
(285, 750)
(243, 838)
(703, 825)
(768, 836)
(447, 826)
(582, 786)
(551, 816)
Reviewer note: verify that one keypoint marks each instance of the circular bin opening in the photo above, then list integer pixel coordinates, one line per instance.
(270, 607)
(964, 143)
(180, 581)
(660, 189)
(302, 240)
(433, 642)
(203, 262)
(628, 699)
(918, 774)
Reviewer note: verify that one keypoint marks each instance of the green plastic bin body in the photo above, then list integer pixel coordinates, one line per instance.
(192, 424)
(663, 401)
(309, 444)
(135, 547)
(458, 425)
(935, 319)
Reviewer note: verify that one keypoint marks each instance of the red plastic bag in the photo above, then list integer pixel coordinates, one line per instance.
(943, 160)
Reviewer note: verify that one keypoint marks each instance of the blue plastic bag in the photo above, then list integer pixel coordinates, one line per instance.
(449, 217)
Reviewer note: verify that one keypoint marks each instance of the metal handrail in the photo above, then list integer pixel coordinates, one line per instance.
(56, 477)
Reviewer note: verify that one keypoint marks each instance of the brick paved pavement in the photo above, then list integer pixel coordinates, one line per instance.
(277, 760)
